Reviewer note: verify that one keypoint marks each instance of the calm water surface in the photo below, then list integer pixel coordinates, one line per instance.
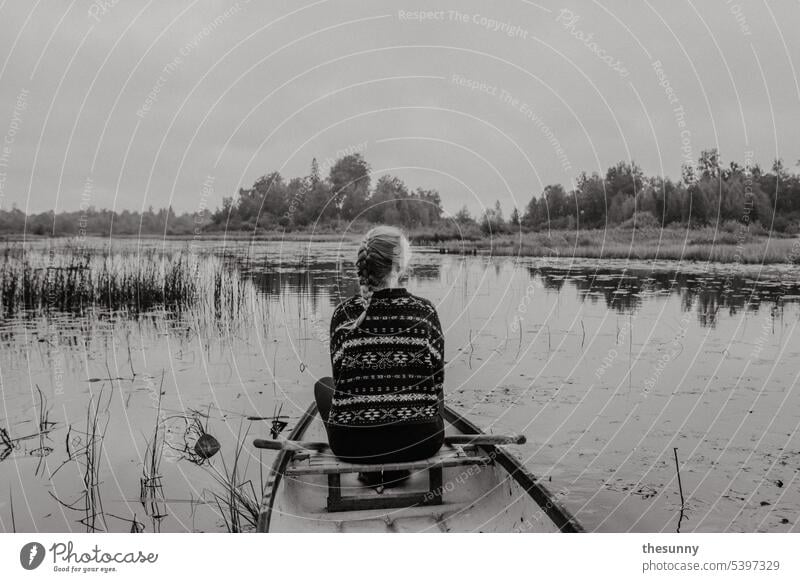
(606, 366)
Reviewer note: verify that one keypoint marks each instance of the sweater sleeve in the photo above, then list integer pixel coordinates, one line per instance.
(338, 317)
(437, 342)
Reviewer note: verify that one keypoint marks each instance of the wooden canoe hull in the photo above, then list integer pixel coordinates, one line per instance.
(497, 497)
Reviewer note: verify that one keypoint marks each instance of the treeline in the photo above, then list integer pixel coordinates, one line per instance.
(94, 222)
(708, 194)
(345, 194)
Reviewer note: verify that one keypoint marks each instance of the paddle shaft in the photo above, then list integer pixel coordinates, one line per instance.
(485, 439)
(458, 439)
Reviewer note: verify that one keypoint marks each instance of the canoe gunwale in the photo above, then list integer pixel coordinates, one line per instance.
(278, 469)
(538, 492)
(543, 497)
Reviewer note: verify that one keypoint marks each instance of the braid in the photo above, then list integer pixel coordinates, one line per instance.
(366, 281)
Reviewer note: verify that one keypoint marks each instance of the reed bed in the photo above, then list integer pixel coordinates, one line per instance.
(704, 244)
(67, 278)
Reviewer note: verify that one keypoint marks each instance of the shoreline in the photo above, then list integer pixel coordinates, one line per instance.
(759, 252)
(673, 245)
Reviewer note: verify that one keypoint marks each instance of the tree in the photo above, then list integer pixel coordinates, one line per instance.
(318, 204)
(463, 216)
(668, 200)
(709, 163)
(350, 181)
(430, 206)
(384, 202)
(625, 178)
(314, 174)
(555, 202)
(698, 205)
(535, 213)
(492, 221)
(591, 198)
(688, 175)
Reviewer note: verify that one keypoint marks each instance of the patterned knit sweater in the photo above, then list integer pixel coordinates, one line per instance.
(390, 369)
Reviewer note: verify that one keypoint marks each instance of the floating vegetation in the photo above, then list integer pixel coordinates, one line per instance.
(206, 446)
(197, 445)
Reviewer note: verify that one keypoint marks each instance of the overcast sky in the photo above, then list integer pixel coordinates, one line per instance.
(136, 104)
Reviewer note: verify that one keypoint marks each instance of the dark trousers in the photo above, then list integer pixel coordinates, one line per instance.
(377, 444)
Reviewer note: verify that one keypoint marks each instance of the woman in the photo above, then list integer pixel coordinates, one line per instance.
(385, 400)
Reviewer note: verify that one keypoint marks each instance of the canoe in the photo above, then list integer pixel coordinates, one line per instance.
(464, 488)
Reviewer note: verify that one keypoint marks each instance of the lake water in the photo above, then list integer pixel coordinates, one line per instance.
(606, 366)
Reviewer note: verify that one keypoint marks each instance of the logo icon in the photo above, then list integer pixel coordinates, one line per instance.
(31, 555)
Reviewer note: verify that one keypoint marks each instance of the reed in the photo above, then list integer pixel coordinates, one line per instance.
(88, 457)
(13, 517)
(6, 444)
(45, 426)
(69, 279)
(700, 244)
(151, 488)
(136, 525)
(238, 501)
(680, 490)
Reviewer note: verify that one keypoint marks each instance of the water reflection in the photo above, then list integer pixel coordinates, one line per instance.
(582, 372)
(624, 290)
(318, 280)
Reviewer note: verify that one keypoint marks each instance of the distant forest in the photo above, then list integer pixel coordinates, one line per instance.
(708, 194)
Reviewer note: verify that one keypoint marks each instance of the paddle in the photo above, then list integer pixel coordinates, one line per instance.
(457, 439)
(485, 439)
(285, 445)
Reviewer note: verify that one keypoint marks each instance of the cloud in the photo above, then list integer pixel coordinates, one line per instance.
(236, 90)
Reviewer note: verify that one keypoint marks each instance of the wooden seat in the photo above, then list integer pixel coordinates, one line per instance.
(325, 463)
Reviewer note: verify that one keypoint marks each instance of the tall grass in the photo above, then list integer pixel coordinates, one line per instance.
(13, 517)
(239, 499)
(151, 488)
(702, 244)
(88, 458)
(67, 278)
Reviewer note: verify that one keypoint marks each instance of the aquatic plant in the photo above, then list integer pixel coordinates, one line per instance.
(66, 278)
(45, 425)
(239, 501)
(88, 457)
(151, 488)
(197, 445)
(6, 444)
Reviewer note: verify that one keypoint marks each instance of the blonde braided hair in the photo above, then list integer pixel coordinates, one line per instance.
(384, 251)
